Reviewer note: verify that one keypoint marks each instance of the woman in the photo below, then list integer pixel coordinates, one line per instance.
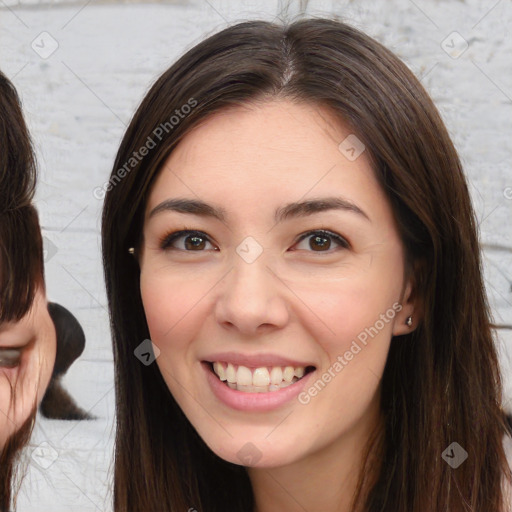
(27, 334)
(38, 340)
(361, 378)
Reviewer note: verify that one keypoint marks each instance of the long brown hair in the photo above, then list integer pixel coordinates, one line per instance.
(21, 249)
(21, 253)
(441, 383)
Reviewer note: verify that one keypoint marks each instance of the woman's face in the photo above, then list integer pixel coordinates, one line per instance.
(27, 356)
(293, 295)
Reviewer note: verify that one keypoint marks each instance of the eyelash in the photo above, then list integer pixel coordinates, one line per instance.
(167, 240)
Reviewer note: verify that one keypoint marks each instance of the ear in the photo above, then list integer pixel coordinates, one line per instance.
(411, 307)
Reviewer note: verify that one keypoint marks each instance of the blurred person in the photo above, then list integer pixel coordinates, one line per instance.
(38, 340)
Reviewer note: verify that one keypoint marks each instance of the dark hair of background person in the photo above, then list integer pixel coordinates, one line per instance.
(21, 247)
(22, 271)
(57, 403)
(441, 382)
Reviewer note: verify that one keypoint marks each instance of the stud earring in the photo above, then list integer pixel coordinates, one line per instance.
(409, 321)
(131, 250)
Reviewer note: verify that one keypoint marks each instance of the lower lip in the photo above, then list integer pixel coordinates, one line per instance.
(258, 402)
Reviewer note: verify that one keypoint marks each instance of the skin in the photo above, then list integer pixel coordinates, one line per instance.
(35, 335)
(295, 300)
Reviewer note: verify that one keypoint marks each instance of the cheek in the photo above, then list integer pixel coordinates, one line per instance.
(17, 399)
(168, 299)
(174, 314)
(47, 351)
(37, 367)
(354, 335)
(5, 406)
(174, 307)
(347, 309)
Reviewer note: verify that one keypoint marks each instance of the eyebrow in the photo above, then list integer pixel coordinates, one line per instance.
(291, 210)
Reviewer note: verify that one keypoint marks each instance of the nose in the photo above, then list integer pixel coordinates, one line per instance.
(252, 299)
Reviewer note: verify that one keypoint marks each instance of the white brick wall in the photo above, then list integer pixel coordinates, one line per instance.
(79, 99)
(6, 4)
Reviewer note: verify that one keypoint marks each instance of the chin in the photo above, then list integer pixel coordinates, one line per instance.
(255, 452)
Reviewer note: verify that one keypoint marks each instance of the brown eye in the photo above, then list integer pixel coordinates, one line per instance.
(10, 357)
(194, 242)
(190, 241)
(322, 241)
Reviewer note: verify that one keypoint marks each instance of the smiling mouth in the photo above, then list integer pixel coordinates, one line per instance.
(258, 380)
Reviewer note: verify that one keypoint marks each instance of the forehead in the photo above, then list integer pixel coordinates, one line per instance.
(266, 154)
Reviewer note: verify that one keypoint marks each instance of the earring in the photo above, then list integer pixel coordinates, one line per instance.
(408, 322)
(131, 250)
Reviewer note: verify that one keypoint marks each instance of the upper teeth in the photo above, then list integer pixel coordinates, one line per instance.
(263, 376)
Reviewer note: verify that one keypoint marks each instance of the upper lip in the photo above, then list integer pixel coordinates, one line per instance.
(255, 360)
